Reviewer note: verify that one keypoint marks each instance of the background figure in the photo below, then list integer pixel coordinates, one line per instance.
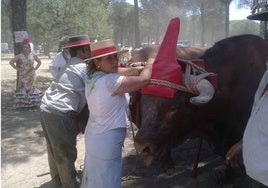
(61, 58)
(255, 139)
(107, 88)
(252, 150)
(26, 95)
(60, 108)
(255, 5)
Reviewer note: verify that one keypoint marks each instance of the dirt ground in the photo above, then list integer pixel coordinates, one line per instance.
(24, 159)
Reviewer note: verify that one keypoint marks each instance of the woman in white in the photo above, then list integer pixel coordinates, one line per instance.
(107, 90)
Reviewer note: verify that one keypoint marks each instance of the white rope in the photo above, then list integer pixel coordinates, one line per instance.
(189, 82)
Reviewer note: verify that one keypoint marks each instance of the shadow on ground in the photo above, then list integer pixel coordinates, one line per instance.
(20, 127)
(22, 139)
(212, 171)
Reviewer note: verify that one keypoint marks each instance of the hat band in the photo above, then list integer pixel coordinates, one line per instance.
(81, 42)
(103, 51)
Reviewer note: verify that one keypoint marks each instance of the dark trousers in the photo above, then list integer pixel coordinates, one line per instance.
(60, 133)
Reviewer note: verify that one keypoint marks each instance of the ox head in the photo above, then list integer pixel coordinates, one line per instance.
(158, 130)
(164, 123)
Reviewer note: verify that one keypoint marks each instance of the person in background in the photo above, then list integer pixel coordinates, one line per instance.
(255, 138)
(61, 58)
(107, 88)
(60, 107)
(252, 150)
(234, 156)
(27, 94)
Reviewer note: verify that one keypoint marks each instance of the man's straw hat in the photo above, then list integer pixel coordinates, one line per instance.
(80, 40)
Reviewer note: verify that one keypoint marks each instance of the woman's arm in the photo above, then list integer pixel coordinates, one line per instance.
(13, 62)
(133, 83)
(130, 71)
(38, 62)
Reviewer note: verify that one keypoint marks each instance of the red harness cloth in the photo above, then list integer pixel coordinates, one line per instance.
(213, 79)
(166, 66)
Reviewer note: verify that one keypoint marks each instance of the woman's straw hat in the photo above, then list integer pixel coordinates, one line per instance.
(103, 48)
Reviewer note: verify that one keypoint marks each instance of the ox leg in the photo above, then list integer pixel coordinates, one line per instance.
(198, 151)
(167, 163)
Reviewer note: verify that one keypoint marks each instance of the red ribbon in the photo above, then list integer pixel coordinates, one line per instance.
(102, 51)
(81, 42)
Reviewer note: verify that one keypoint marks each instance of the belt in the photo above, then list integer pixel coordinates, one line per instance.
(71, 113)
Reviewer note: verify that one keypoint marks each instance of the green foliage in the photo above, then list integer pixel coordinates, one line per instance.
(49, 20)
(238, 27)
(122, 20)
(6, 35)
(202, 21)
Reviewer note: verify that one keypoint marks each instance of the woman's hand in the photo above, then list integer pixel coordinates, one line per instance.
(136, 64)
(150, 61)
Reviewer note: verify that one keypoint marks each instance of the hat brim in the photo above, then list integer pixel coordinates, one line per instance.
(111, 53)
(82, 44)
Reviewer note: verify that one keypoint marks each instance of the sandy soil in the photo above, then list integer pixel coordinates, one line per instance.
(24, 158)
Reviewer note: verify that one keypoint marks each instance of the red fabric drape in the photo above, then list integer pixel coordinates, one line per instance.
(166, 66)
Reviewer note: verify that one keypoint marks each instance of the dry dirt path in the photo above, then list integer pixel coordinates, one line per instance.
(23, 149)
(24, 158)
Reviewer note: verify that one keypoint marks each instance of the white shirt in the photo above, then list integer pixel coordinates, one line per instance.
(255, 139)
(58, 62)
(106, 111)
(67, 92)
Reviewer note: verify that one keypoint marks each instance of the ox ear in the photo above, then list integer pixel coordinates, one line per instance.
(206, 92)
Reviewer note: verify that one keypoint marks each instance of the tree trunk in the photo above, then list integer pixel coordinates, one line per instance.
(18, 20)
(18, 23)
(202, 10)
(227, 18)
(227, 14)
(136, 24)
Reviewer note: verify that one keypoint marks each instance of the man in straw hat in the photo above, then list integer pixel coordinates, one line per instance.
(61, 58)
(61, 103)
(107, 88)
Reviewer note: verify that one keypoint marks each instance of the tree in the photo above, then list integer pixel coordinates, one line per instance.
(157, 16)
(244, 27)
(18, 20)
(66, 17)
(136, 24)
(202, 21)
(122, 20)
(6, 34)
(226, 4)
(203, 15)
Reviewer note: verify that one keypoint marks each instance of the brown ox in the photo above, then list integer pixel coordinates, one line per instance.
(239, 63)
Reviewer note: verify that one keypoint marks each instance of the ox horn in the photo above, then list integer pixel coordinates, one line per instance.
(206, 92)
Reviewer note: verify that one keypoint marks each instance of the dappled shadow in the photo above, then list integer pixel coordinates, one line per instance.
(21, 132)
(211, 171)
(141, 176)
